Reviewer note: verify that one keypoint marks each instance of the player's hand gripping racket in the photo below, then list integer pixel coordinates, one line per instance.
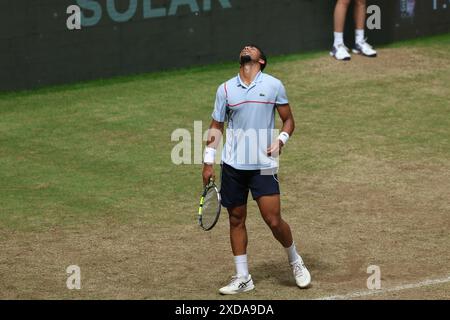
(209, 210)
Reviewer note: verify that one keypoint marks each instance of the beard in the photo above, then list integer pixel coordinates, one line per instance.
(245, 59)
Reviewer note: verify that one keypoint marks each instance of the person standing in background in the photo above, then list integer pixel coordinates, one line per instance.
(340, 51)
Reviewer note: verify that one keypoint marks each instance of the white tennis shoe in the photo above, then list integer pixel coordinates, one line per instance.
(364, 49)
(238, 284)
(340, 52)
(301, 274)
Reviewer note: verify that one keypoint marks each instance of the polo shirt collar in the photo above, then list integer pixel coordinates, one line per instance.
(258, 78)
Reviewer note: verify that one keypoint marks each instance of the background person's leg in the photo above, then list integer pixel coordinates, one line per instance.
(340, 12)
(360, 20)
(360, 14)
(339, 50)
(361, 46)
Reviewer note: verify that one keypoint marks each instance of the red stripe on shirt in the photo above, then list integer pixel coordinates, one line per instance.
(260, 102)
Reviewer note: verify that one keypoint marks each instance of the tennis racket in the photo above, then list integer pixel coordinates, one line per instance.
(209, 209)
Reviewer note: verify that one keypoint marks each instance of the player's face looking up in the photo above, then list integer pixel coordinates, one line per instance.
(251, 54)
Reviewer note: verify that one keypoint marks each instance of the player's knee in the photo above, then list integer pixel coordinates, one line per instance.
(274, 223)
(360, 2)
(237, 222)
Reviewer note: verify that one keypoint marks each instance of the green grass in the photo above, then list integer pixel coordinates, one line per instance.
(99, 151)
(436, 40)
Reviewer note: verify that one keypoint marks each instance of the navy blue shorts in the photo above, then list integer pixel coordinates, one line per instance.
(236, 183)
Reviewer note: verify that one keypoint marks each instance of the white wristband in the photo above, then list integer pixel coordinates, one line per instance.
(283, 137)
(210, 155)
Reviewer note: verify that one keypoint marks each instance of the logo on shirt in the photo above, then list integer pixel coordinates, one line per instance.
(262, 95)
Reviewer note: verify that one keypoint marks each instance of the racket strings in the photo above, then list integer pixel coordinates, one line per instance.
(210, 207)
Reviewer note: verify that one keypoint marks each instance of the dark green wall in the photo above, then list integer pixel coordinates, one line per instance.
(37, 49)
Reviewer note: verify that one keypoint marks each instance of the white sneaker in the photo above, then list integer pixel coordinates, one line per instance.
(301, 274)
(364, 49)
(238, 284)
(340, 52)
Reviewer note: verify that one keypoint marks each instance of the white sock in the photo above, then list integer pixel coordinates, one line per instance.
(293, 256)
(359, 35)
(241, 265)
(338, 38)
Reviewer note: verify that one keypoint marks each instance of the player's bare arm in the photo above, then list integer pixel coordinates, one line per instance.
(215, 133)
(288, 127)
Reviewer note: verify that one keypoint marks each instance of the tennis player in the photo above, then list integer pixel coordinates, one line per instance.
(247, 103)
(340, 51)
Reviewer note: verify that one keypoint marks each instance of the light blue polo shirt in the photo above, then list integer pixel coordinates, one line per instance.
(250, 114)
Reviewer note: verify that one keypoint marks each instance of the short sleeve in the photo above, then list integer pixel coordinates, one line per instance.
(220, 106)
(281, 98)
